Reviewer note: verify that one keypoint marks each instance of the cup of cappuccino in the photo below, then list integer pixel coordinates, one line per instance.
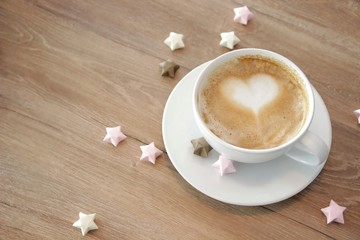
(254, 105)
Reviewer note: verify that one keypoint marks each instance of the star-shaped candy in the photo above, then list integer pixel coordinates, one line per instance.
(201, 147)
(229, 40)
(357, 114)
(86, 223)
(243, 15)
(334, 212)
(168, 68)
(150, 152)
(175, 41)
(224, 165)
(114, 135)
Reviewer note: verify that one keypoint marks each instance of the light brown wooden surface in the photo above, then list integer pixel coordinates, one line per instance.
(68, 69)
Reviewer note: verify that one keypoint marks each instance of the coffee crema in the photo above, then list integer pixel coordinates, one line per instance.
(254, 102)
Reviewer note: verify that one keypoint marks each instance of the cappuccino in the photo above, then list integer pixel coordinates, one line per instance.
(254, 102)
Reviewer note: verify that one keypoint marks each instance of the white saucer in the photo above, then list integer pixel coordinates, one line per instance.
(252, 184)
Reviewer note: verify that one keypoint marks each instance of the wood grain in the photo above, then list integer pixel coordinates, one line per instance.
(70, 68)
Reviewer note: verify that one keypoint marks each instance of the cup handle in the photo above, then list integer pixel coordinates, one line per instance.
(310, 150)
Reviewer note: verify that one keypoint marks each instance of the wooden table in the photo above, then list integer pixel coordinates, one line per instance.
(68, 69)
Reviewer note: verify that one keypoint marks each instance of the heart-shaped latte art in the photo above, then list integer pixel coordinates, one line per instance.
(254, 93)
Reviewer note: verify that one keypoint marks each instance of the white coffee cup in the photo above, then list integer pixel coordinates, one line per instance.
(305, 146)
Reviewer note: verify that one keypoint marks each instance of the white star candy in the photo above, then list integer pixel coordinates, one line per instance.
(150, 152)
(243, 15)
(175, 41)
(334, 212)
(224, 165)
(86, 223)
(114, 135)
(357, 114)
(229, 40)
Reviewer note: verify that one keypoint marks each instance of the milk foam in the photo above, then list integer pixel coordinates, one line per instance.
(254, 93)
(254, 102)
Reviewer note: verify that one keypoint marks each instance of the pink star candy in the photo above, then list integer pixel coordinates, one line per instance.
(224, 165)
(150, 152)
(242, 15)
(334, 212)
(114, 135)
(357, 114)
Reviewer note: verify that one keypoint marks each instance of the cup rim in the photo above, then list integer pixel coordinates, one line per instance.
(263, 52)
